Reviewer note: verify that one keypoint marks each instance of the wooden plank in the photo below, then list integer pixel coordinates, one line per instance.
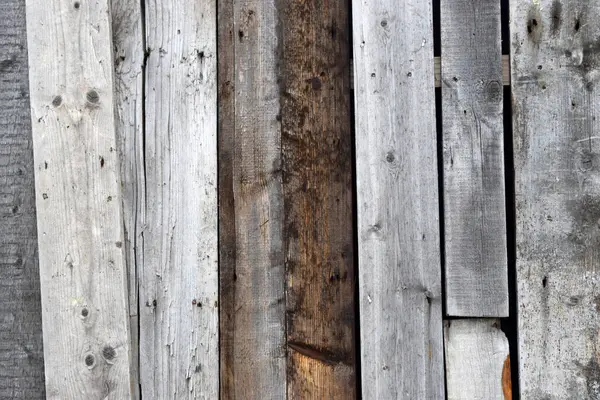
(317, 185)
(555, 57)
(21, 353)
(128, 40)
(437, 68)
(473, 157)
(476, 355)
(253, 287)
(79, 214)
(179, 273)
(397, 189)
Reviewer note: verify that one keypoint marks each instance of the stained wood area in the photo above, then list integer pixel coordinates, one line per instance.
(555, 60)
(473, 159)
(80, 226)
(397, 189)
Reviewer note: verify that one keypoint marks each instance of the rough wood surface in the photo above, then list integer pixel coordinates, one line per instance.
(21, 354)
(78, 198)
(398, 227)
(473, 158)
(476, 351)
(179, 355)
(317, 185)
(253, 350)
(555, 61)
(437, 65)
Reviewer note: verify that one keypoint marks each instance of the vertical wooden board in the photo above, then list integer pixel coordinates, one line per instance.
(473, 158)
(21, 353)
(179, 273)
(317, 186)
(555, 60)
(476, 360)
(254, 354)
(128, 43)
(398, 222)
(78, 197)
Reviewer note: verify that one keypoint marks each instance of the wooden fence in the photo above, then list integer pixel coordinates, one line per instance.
(303, 199)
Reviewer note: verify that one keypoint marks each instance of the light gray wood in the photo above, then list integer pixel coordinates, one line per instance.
(21, 353)
(398, 226)
(476, 354)
(178, 273)
(505, 70)
(555, 60)
(128, 40)
(79, 213)
(473, 158)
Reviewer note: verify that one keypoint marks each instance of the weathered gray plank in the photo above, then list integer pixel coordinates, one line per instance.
(505, 70)
(253, 313)
(178, 274)
(79, 213)
(477, 360)
(21, 354)
(398, 227)
(555, 61)
(473, 158)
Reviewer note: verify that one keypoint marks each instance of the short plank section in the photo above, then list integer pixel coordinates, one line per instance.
(556, 97)
(473, 159)
(179, 271)
(398, 213)
(78, 196)
(476, 360)
(21, 353)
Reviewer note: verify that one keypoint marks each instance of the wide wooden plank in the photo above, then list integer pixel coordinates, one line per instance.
(78, 197)
(21, 354)
(398, 227)
(505, 70)
(555, 60)
(253, 350)
(477, 360)
(317, 185)
(473, 158)
(179, 272)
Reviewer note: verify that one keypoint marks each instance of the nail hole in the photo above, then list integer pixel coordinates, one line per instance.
(57, 101)
(90, 360)
(92, 96)
(76, 4)
(84, 312)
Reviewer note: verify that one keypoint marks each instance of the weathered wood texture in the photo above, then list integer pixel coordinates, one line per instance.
(476, 354)
(128, 41)
(473, 159)
(78, 198)
(21, 354)
(398, 227)
(555, 61)
(505, 70)
(252, 271)
(179, 271)
(317, 185)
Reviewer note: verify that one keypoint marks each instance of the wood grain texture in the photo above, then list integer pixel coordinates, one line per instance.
(398, 227)
(437, 65)
(179, 272)
(317, 186)
(79, 214)
(21, 353)
(555, 60)
(473, 158)
(476, 350)
(253, 351)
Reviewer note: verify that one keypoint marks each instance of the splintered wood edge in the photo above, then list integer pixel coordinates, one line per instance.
(437, 70)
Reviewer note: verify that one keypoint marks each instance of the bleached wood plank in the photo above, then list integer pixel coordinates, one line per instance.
(477, 360)
(78, 196)
(178, 275)
(473, 158)
(437, 67)
(555, 60)
(398, 227)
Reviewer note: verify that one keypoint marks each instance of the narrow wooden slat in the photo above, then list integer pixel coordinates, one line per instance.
(179, 272)
(21, 353)
(398, 227)
(79, 214)
(317, 186)
(476, 360)
(473, 158)
(556, 101)
(505, 70)
(253, 313)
